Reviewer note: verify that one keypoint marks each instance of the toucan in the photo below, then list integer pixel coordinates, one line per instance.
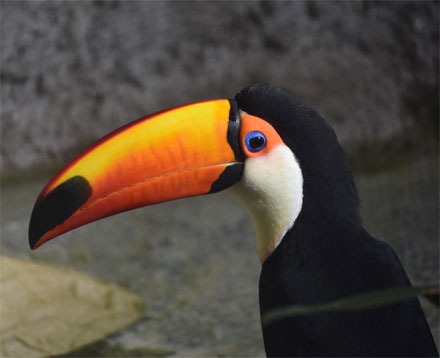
(283, 161)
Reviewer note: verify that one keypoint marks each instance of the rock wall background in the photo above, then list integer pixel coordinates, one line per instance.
(73, 70)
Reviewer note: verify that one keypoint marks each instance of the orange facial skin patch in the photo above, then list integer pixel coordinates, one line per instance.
(251, 123)
(173, 154)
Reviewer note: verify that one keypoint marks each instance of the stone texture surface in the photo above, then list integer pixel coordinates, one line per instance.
(71, 71)
(49, 310)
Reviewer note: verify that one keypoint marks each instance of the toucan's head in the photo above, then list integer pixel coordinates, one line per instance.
(273, 153)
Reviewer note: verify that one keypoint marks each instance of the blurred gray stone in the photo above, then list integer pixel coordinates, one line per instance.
(72, 71)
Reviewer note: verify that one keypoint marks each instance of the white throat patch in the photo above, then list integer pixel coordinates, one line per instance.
(271, 188)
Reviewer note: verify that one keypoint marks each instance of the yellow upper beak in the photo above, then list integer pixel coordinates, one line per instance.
(181, 152)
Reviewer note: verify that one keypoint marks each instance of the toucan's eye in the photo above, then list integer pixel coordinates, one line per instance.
(255, 141)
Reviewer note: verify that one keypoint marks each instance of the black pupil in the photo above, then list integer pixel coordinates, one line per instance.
(256, 142)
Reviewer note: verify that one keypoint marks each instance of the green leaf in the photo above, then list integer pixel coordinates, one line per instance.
(48, 310)
(369, 300)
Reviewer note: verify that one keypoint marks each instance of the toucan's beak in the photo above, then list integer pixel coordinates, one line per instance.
(181, 152)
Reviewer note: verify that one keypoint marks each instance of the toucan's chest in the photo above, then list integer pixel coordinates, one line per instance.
(326, 266)
(330, 271)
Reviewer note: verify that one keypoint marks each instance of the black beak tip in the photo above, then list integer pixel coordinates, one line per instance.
(57, 206)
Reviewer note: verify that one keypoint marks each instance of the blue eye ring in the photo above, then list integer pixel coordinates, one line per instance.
(255, 141)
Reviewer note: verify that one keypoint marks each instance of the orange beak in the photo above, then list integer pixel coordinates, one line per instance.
(181, 152)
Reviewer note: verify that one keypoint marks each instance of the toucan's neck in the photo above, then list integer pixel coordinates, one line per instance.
(330, 209)
(330, 197)
(271, 189)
